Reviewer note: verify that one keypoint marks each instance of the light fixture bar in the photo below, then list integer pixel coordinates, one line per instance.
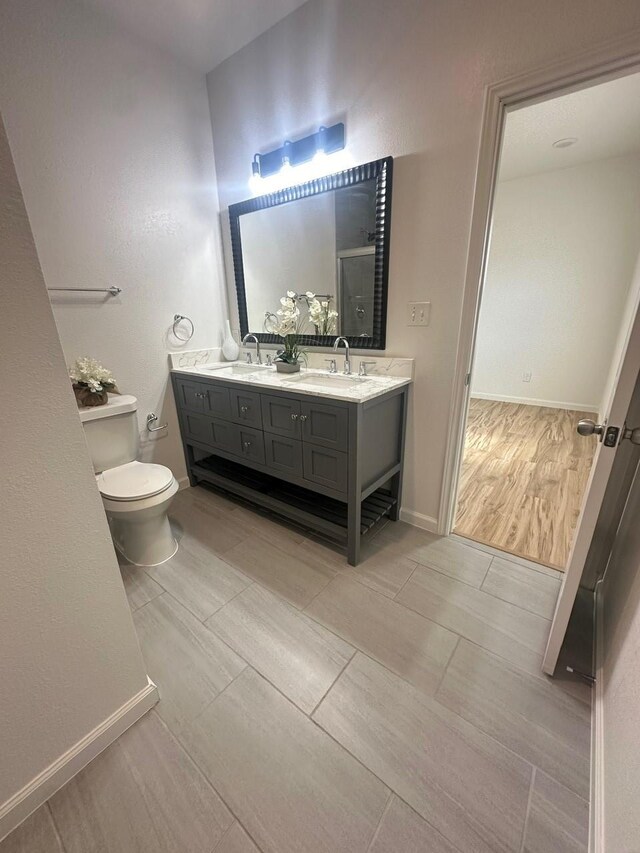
(326, 140)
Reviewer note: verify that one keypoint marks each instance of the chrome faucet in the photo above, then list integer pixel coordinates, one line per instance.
(244, 340)
(347, 360)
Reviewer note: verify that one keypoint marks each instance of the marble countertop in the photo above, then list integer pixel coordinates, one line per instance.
(319, 383)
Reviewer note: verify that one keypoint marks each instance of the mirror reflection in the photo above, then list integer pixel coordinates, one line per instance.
(321, 249)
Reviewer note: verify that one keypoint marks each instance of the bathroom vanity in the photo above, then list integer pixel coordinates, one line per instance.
(323, 450)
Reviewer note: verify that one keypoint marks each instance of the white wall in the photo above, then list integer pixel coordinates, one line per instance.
(69, 654)
(408, 82)
(563, 248)
(112, 142)
(304, 260)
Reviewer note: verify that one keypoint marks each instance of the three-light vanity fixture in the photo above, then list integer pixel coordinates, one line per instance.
(312, 148)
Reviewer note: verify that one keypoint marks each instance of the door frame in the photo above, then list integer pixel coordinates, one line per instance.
(608, 61)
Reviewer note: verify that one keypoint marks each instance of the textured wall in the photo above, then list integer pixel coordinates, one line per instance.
(70, 656)
(563, 251)
(112, 143)
(408, 80)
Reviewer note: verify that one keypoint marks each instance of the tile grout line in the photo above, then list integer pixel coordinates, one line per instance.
(328, 690)
(386, 808)
(55, 825)
(191, 758)
(526, 817)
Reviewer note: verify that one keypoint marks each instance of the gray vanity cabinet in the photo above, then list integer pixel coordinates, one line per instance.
(333, 465)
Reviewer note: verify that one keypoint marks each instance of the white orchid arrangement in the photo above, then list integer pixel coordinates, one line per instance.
(89, 373)
(323, 317)
(289, 324)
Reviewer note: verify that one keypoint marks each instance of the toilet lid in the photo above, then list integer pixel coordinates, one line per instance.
(134, 481)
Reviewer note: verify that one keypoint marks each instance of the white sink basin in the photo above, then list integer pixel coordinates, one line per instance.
(326, 380)
(236, 368)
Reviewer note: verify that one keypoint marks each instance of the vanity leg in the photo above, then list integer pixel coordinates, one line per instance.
(396, 489)
(353, 532)
(396, 480)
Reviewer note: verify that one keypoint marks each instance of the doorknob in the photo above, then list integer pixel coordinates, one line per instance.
(588, 427)
(633, 435)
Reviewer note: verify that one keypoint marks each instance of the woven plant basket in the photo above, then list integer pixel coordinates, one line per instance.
(86, 397)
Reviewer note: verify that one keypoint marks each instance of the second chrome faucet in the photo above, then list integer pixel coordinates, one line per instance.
(347, 360)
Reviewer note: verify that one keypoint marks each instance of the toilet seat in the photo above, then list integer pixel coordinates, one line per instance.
(134, 481)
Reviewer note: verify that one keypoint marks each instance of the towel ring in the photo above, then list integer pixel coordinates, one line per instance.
(178, 318)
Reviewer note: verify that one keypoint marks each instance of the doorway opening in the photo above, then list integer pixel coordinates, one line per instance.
(558, 298)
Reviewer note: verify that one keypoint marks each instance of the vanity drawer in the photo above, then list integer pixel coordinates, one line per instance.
(190, 395)
(324, 466)
(203, 397)
(249, 444)
(245, 408)
(325, 425)
(283, 454)
(281, 415)
(212, 432)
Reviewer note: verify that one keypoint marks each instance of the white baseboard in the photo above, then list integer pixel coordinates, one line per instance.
(417, 519)
(64, 768)
(531, 401)
(596, 816)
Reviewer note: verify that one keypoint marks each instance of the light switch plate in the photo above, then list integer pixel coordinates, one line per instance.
(419, 314)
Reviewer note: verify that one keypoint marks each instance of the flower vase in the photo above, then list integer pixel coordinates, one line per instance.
(230, 349)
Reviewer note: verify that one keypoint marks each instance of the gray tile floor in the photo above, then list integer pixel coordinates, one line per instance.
(396, 707)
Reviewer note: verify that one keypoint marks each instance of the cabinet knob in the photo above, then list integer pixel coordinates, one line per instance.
(246, 444)
(303, 417)
(244, 409)
(294, 417)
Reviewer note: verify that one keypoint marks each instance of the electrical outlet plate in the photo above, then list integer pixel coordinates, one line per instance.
(419, 313)
(526, 376)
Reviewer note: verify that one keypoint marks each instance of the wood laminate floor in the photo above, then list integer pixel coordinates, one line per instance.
(310, 707)
(523, 477)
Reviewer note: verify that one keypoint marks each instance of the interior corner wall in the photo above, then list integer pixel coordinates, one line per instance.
(112, 143)
(408, 82)
(564, 245)
(70, 657)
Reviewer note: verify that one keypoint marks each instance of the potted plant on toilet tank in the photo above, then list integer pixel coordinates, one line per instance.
(91, 382)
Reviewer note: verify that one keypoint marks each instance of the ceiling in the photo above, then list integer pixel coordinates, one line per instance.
(605, 119)
(202, 33)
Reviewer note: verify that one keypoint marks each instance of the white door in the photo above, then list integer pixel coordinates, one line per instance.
(611, 433)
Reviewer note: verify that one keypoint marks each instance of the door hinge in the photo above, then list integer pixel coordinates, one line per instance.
(467, 380)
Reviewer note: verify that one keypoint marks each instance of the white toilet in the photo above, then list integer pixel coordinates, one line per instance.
(136, 495)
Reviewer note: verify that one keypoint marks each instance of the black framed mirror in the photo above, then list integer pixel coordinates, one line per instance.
(327, 242)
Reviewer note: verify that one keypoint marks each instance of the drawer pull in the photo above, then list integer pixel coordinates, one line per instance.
(294, 417)
(303, 417)
(246, 444)
(199, 394)
(244, 410)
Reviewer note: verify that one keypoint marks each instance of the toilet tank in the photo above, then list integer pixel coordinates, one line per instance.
(111, 431)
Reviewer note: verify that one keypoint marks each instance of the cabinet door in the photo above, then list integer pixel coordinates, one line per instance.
(245, 408)
(283, 455)
(281, 415)
(216, 400)
(250, 445)
(325, 425)
(190, 395)
(325, 466)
